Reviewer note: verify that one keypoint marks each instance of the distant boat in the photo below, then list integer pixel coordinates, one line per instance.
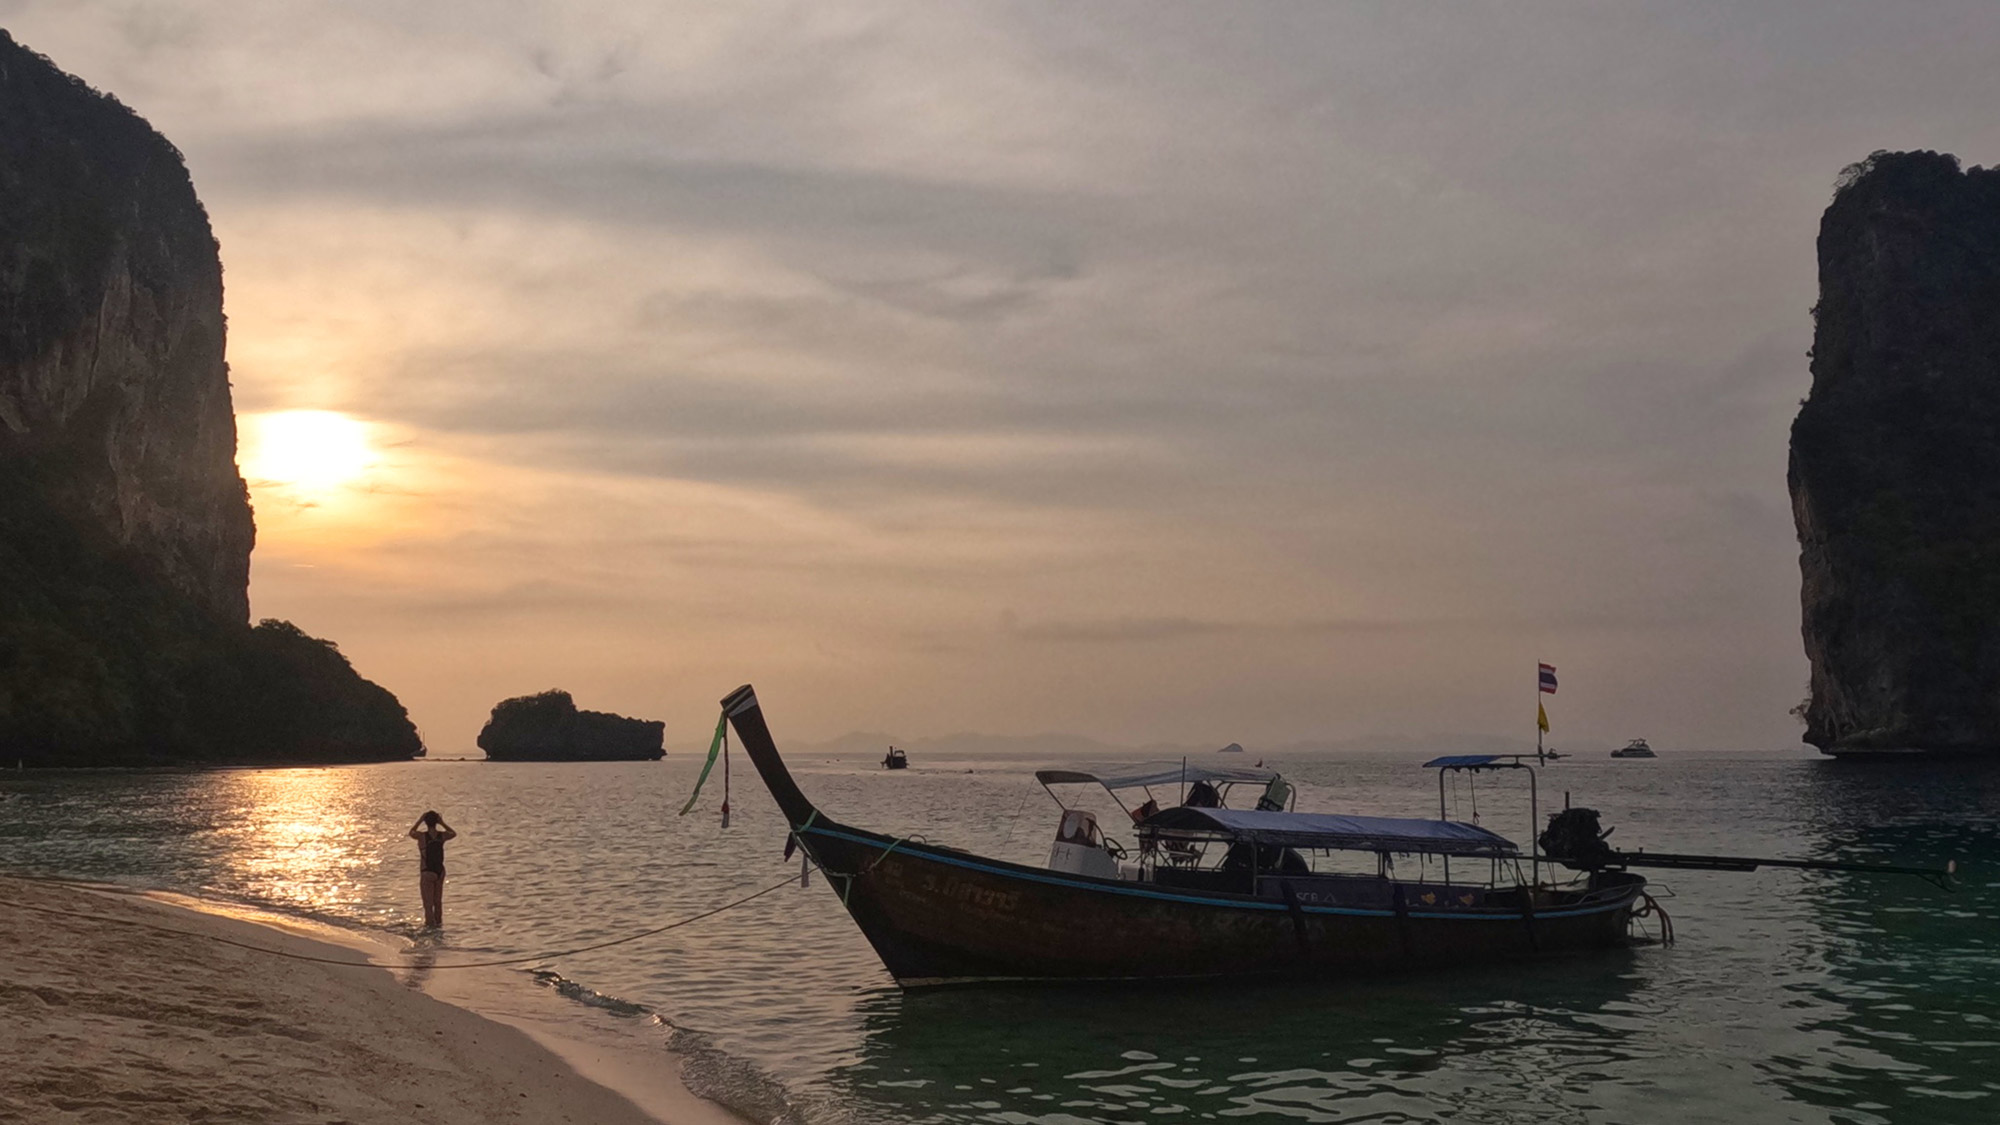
(895, 760)
(1232, 748)
(1636, 748)
(1554, 755)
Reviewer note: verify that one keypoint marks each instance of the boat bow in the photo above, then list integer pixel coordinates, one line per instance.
(747, 717)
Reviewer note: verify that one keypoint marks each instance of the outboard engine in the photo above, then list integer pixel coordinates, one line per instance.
(1277, 796)
(1080, 849)
(1573, 839)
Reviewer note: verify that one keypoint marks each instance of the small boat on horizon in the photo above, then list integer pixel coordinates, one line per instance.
(1636, 748)
(895, 760)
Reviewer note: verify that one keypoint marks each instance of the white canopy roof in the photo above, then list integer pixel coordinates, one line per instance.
(1334, 831)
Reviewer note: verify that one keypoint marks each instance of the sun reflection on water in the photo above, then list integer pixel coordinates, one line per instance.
(300, 838)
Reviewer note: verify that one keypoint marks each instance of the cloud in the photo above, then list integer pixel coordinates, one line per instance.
(1149, 630)
(1127, 629)
(613, 168)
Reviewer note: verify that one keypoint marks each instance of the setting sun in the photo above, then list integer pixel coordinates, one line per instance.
(313, 450)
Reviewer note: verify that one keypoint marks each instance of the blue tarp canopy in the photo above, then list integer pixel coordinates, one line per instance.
(1333, 831)
(1153, 773)
(1474, 761)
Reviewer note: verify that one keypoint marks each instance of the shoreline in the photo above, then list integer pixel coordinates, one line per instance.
(108, 1020)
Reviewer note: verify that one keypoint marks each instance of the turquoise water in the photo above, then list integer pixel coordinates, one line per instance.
(1789, 997)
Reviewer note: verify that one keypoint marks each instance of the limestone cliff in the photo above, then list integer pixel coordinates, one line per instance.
(548, 728)
(125, 528)
(111, 365)
(1895, 462)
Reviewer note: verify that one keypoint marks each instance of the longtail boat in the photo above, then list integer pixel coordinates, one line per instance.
(1209, 892)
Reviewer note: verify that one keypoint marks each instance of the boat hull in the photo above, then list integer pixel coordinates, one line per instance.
(940, 917)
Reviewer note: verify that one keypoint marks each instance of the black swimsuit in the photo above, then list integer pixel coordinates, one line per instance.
(433, 848)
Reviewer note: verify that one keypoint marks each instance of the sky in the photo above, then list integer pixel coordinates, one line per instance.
(1153, 372)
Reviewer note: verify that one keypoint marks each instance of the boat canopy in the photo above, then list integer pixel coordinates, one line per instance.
(1334, 831)
(1153, 773)
(1474, 761)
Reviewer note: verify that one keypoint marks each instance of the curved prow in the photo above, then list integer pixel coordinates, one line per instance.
(748, 719)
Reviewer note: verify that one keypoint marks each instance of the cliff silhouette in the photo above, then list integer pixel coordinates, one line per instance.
(548, 728)
(1895, 462)
(125, 528)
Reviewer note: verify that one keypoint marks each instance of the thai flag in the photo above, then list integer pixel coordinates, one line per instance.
(1548, 677)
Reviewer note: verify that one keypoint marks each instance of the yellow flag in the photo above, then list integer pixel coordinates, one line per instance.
(1541, 717)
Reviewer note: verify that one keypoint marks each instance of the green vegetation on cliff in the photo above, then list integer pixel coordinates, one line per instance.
(103, 663)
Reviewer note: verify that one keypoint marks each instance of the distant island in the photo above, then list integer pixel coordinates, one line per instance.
(549, 728)
(125, 527)
(1895, 462)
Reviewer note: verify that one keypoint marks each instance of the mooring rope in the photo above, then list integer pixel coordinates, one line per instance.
(675, 925)
(1651, 908)
(1015, 822)
(847, 878)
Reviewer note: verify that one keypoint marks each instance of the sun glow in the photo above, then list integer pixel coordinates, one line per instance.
(314, 451)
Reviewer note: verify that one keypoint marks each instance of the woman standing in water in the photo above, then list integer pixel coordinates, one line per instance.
(430, 832)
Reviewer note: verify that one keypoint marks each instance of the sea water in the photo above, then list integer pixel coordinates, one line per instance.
(1789, 997)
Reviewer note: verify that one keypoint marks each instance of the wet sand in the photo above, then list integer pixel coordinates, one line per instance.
(107, 1022)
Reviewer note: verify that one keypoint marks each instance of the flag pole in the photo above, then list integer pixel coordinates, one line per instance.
(1545, 684)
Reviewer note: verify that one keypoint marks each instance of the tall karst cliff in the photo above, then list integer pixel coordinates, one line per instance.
(1895, 462)
(125, 528)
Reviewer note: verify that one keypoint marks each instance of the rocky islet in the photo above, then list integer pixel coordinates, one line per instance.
(547, 727)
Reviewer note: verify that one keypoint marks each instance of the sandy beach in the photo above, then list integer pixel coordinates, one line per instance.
(108, 1022)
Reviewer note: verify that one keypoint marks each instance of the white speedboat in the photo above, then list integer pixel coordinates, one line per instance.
(1636, 748)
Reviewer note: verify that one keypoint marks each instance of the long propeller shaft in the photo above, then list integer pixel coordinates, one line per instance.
(1942, 876)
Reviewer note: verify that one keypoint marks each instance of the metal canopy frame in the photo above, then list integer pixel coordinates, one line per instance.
(1471, 765)
(1222, 779)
